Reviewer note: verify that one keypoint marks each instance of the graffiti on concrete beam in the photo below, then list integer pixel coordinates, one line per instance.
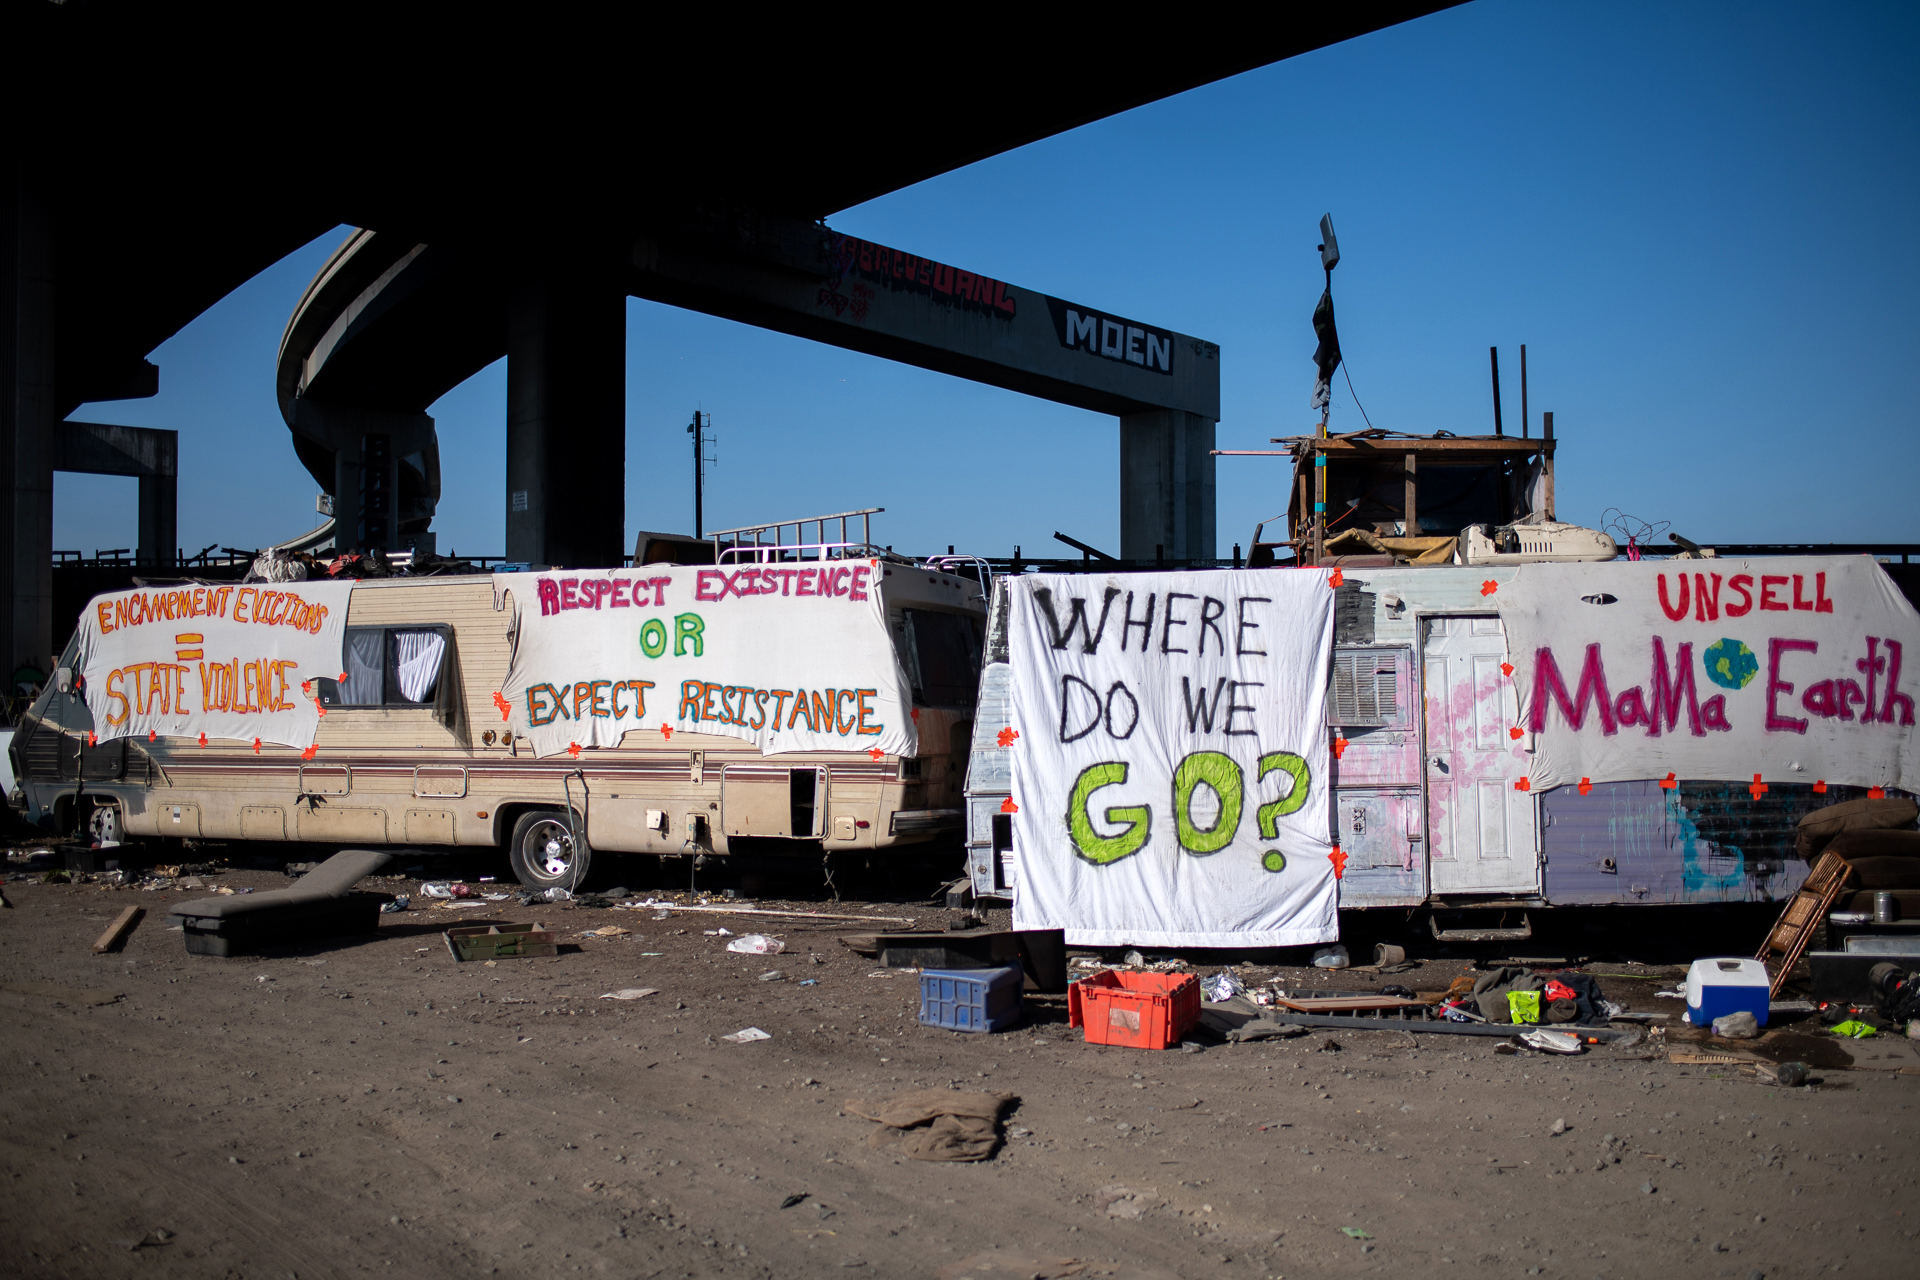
(856, 260)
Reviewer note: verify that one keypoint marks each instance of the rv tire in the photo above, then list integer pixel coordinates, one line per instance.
(543, 854)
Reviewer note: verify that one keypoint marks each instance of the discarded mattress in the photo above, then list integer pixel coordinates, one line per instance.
(321, 904)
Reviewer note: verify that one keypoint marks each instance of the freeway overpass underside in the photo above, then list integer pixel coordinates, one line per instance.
(152, 159)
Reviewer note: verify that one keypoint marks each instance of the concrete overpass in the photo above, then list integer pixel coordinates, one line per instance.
(151, 160)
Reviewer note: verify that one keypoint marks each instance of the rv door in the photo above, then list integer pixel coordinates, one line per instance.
(1480, 828)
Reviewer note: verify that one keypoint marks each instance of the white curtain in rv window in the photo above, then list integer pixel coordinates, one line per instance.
(1784, 669)
(417, 656)
(1170, 757)
(365, 667)
(789, 657)
(231, 661)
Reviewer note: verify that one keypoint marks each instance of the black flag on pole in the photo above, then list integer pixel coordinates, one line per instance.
(1326, 356)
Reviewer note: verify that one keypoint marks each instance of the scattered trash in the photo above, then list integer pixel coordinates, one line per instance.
(1134, 959)
(395, 907)
(1355, 1233)
(774, 975)
(1670, 995)
(814, 982)
(556, 894)
(1221, 987)
(1333, 957)
(608, 931)
(747, 1036)
(718, 933)
(793, 1199)
(631, 993)
(756, 944)
(437, 889)
(458, 890)
(1855, 1028)
(497, 897)
(1552, 1041)
(1736, 1026)
(936, 1124)
(1789, 1074)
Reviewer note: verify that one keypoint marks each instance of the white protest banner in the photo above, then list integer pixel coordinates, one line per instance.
(1782, 670)
(1170, 779)
(224, 661)
(791, 657)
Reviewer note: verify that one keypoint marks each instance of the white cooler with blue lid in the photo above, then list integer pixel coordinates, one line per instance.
(1719, 986)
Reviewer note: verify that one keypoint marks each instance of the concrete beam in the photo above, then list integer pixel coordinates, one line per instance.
(806, 280)
(152, 454)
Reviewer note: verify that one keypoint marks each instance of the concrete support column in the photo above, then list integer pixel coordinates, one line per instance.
(382, 469)
(566, 417)
(27, 415)
(1166, 486)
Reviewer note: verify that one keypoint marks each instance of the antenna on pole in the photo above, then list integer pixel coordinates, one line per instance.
(699, 431)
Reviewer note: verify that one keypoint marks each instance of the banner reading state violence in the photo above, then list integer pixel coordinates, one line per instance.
(230, 661)
(1170, 757)
(1776, 670)
(791, 657)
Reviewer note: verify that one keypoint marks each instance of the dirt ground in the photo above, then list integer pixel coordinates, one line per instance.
(371, 1106)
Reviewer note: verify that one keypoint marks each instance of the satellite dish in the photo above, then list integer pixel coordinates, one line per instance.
(1329, 247)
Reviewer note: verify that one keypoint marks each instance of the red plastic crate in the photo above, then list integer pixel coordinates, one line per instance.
(1136, 1010)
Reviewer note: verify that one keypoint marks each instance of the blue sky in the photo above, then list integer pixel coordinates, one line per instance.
(1698, 218)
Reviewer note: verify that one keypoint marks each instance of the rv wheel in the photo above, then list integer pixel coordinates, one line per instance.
(543, 852)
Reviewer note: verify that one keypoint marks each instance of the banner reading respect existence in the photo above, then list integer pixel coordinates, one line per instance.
(224, 661)
(1784, 670)
(1170, 757)
(788, 657)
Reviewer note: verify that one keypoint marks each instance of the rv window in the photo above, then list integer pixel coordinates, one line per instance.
(946, 652)
(389, 667)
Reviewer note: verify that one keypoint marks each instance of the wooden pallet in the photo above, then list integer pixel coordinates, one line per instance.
(1804, 912)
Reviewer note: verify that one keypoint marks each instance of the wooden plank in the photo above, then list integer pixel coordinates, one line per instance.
(1323, 1004)
(119, 929)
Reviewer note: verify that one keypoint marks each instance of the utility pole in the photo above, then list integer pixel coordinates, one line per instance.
(699, 465)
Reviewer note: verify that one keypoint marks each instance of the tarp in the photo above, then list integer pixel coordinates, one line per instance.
(787, 657)
(1776, 670)
(228, 661)
(1170, 757)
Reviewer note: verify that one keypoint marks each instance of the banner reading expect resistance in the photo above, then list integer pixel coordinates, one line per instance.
(787, 657)
(1169, 769)
(224, 661)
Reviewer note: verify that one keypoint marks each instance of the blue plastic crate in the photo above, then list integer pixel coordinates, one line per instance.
(971, 999)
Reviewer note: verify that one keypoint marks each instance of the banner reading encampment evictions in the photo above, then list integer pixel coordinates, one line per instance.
(1782, 670)
(788, 657)
(227, 661)
(1170, 764)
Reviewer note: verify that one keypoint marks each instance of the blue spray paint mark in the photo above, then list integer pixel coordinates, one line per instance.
(1694, 852)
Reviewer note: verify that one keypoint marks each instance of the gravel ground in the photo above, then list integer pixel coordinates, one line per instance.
(370, 1106)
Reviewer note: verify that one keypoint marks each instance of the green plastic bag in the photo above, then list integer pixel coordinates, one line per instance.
(1855, 1028)
(1524, 1005)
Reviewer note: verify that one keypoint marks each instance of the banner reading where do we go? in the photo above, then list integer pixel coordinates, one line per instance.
(226, 661)
(1170, 753)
